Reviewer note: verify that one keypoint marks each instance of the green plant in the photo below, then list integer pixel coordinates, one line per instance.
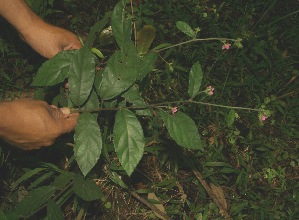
(121, 78)
(161, 100)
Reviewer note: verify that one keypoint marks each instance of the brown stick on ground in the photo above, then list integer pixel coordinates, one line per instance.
(223, 209)
(152, 207)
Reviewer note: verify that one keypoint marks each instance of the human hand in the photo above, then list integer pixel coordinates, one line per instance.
(48, 40)
(32, 124)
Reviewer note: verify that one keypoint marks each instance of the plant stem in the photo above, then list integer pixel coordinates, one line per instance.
(163, 105)
(195, 40)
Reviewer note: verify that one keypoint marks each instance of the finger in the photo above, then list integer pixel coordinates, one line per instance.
(66, 111)
(69, 124)
(56, 113)
(54, 106)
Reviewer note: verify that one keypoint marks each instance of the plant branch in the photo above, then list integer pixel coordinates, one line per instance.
(134, 24)
(197, 39)
(163, 105)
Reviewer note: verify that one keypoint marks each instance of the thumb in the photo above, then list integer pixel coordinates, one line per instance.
(70, 122)
(66, 111)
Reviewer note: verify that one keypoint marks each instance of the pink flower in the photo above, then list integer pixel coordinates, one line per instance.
(174, 110)
(263, 118)
(210, 90)
(226, 46)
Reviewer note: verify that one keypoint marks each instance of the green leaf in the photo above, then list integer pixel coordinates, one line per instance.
(195, 79)
(92, 103)
(41, 179)
(146, 64)
(121, 24)
(119, 74)
(231, 117)
(35, 199)
(28, 175)
(182, 130)
(97, 52)
(81, 78)
(92, 33)
(53, 211)
(55, 70)
(166, 182)
(184, 27)
(63, 179)
(86, 189)
(128, 139)
(145, 37)
(61, 99)
(161, 46)
(88, 142)
(133, 96)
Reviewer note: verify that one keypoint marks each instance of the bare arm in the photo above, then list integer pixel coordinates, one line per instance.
(18, 14)
(32, 124)
(44, 38)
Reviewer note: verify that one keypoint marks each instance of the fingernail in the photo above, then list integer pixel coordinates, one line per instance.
(65, 111)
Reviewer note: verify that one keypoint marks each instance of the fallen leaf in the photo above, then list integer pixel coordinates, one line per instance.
(158, 206)
(219, 196)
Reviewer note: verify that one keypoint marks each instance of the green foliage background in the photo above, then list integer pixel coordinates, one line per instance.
(256, 163)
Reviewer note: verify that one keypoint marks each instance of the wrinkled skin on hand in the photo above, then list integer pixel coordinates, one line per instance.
(32, 124)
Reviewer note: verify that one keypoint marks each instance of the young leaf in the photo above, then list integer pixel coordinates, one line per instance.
(121, 24)
(145, 37)
(119, 74)
(53, 211)
(106, 37)
(35, 199)
(184, 27)
(128, 140)
(92, 33)
(146, 64)
(133, 96)
(55, 70)
(231, 117)
(182, 129)
(88, 142)
(86, 189)
(97, 52)
(82, 76)
(195, 79)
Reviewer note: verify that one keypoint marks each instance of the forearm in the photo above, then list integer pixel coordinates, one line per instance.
(44, 38)
(19, 14)
(3, 118)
